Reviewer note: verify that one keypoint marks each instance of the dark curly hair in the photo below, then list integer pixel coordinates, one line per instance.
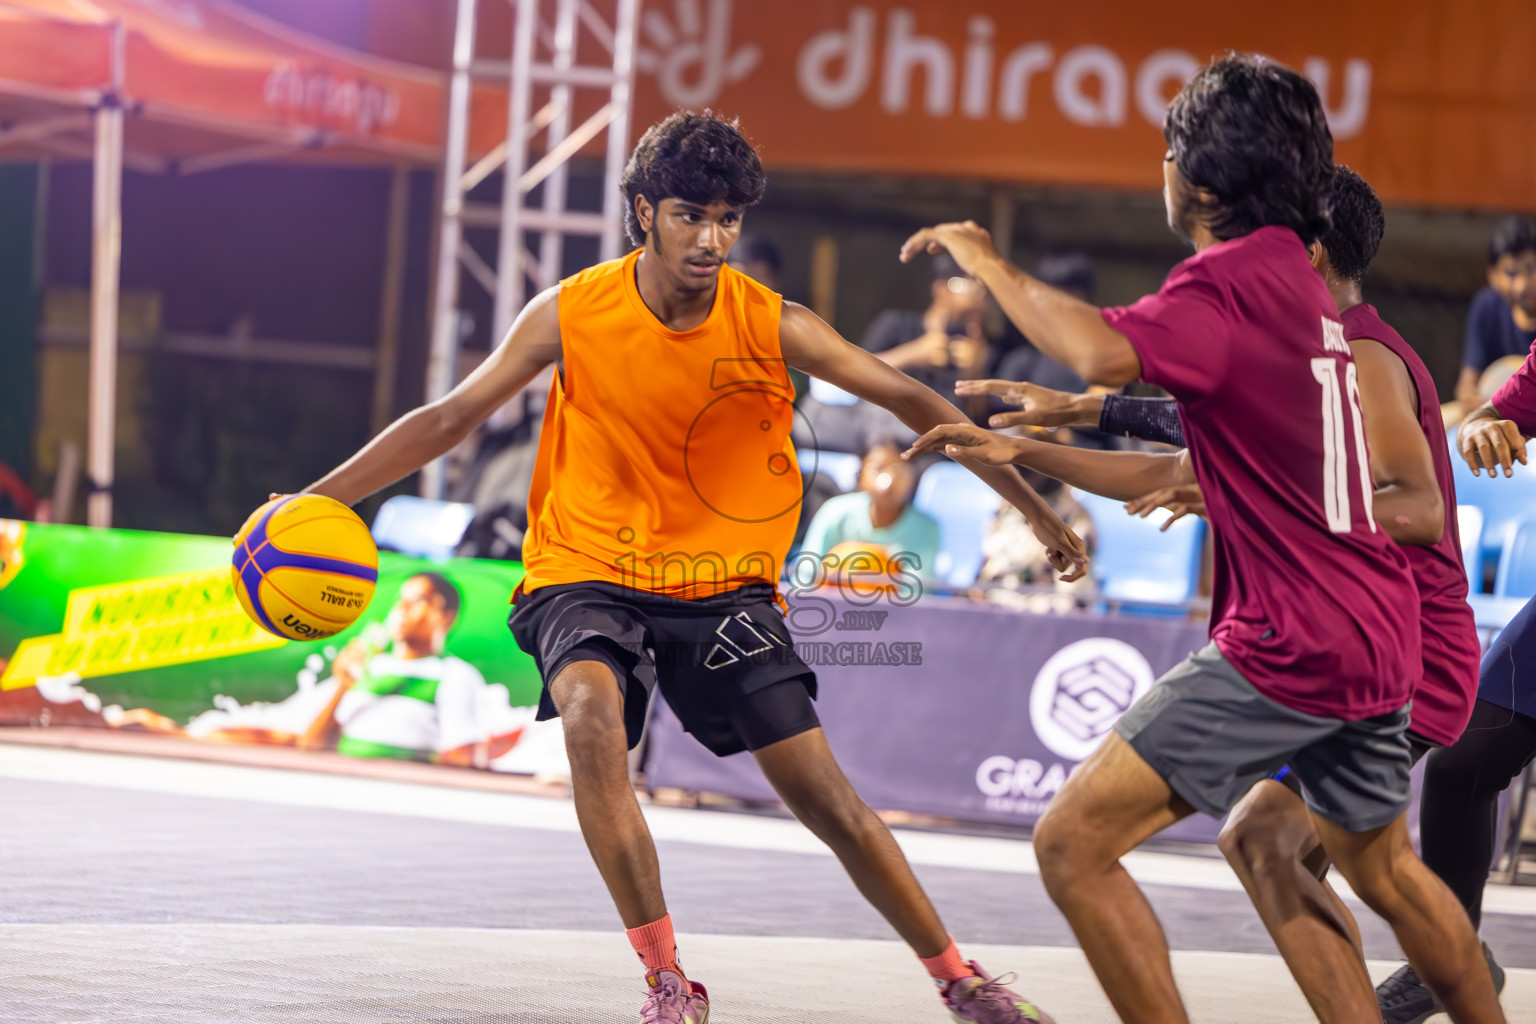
(693, 156)
(1358, 224)
(1252, 132)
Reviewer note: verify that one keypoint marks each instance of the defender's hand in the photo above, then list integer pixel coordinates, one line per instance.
(968, 242)
(966, 442)
(1064, 549)
(1042, 407)
(1182, 500)
(1491, 445)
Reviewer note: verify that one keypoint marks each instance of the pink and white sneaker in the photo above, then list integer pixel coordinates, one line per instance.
(988, 1000)
(674, 1000)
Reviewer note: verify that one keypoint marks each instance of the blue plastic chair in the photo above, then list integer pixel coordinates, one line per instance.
(1502, 501)
(1517, 565)
(842, 467)
(1469, 524)
(1137, 565)
(964, 508)
(421, 526)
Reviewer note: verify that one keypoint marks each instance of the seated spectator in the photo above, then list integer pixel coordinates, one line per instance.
(760, 259)
(1016, 573)
(879, 516)
(1502, 318)
(942, 344)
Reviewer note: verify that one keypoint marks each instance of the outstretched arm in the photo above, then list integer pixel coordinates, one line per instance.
(1067, 329)
(1123, 476)
(418, 437)
(809, 344)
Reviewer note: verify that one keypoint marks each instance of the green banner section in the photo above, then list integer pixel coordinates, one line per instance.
(124, 629)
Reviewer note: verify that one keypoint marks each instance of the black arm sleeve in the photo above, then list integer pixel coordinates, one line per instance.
(1146, 419)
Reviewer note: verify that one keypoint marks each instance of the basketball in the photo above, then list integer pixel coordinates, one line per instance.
(305, 567)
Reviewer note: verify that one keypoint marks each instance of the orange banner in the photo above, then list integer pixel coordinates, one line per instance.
(1430, 101)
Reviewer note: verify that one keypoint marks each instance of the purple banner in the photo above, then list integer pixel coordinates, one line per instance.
(954, 708)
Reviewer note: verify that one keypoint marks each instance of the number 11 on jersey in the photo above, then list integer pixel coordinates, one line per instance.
(1336, 504)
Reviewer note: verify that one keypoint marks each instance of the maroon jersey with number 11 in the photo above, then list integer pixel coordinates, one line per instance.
(1313, 603)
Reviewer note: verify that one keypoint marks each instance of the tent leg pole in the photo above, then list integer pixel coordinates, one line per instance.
(443, 355)
(106, 261)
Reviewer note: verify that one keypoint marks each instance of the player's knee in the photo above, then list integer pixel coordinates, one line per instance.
(1061, 851)
(1252, 846)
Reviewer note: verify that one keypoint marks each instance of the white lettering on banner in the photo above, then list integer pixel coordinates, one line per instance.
(1092, 85)
(319, 95)
(855, 48)
(1081, 692)
(904, 53)
(1080, 107)
(1003, 776)
(702, 46)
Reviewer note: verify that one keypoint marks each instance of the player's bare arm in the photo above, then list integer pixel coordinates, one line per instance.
(809, 344)
(1408, 502)
(1489, 441)
(1039, 407)
(1065, 328)
(1122, 476)
(424, 434)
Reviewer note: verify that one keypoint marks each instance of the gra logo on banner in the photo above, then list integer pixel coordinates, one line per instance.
(1082, 690)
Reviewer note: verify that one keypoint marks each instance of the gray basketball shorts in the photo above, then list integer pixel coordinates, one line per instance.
(1211, 735)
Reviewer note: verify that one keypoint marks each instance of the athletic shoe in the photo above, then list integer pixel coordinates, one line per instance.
(988, 1000)
(1405, 999)
(673, 1000)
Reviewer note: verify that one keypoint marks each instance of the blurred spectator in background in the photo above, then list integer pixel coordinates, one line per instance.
(499, 475)
(879, 516)
(760, 259)
(1016, 573)
(1502, 319)
(1072, 273)
(942, 344)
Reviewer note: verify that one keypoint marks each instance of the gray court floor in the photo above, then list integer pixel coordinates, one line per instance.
(125, 900)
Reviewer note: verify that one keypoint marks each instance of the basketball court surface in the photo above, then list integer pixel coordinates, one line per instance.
(152, 890)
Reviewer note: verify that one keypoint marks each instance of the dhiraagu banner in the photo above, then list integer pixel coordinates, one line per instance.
(141, 631)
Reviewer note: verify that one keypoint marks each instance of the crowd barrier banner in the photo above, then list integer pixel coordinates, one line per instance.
(953, 708)
(1426, 100)
(142, 632)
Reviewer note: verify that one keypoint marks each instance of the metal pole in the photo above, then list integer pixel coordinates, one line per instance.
(389, 297)
(106, 262)
(552, 245)
(618, 131)
(510, 289)
(445, 320)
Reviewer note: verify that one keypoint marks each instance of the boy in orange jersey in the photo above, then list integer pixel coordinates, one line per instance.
(662, 508)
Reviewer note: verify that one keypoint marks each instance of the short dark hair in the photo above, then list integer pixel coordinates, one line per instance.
(1069, 271)
(694, 156)
(1514, 236)
(1253, 133)
(1358, 224)
(444, 588)
(944, 267)
(757, 249)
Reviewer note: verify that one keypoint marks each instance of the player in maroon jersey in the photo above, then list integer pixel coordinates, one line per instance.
(1315, 626)
(1269, 837)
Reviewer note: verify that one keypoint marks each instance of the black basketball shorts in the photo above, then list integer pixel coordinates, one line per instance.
(726, 665)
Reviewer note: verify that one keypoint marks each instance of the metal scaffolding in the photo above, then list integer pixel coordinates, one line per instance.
(540, 143)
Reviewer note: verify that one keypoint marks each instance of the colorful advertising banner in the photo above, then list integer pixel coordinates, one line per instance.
(1429, 101)
(142, 632)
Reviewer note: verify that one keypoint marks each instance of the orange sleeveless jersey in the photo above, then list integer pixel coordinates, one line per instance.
(665, 462)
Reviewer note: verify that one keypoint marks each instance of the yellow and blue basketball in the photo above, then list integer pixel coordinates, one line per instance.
(305, 567)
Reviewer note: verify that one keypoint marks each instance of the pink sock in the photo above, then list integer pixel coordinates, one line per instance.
(948, 966)
(656, 945)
